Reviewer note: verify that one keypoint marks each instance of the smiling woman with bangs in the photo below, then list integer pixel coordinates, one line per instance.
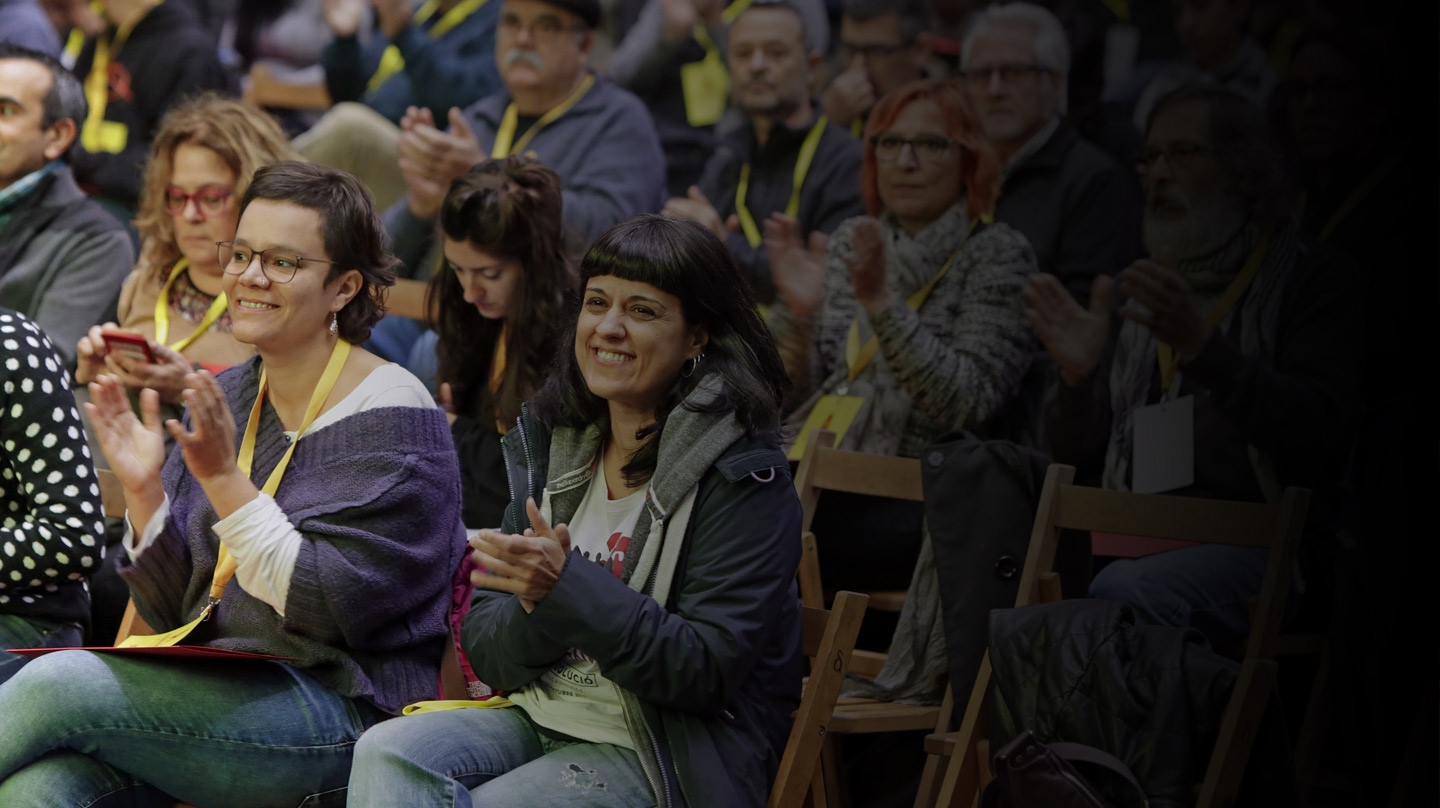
(649, 642)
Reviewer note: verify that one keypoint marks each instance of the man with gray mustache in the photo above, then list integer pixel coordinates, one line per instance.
(1232, 372)
(597, 136)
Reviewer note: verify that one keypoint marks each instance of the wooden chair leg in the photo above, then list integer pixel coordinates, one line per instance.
(1314, 728)
(817, 786)
(834, 791)
(1237, 733)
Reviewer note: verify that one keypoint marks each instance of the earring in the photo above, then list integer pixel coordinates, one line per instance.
(692, 363)
(334, 324)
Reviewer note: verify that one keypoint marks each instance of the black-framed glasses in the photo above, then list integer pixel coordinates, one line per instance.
(278, 264)
(1180, 156)
(926, 148)
(1009, 73)
(211, 199)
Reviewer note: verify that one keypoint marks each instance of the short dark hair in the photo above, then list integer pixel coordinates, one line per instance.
(783, 5)
(684, 259)
(1246, 147)
(354, 236)
(65, 98)
(914, 14)
(511, 209)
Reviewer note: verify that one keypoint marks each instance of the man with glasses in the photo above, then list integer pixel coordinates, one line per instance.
(787, 160)
(1077, 206)
(884, 45)
(597, 136)
(63, 259)
(1233, 369)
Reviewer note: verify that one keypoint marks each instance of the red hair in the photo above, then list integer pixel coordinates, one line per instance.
(979, 171)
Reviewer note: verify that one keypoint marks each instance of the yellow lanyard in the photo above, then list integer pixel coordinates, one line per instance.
(856, 357)
(857, 128)
(162, 310)
(511, 120)
(497, 371)
(705, 83)
(802, 167)
(225, 562)
(1169, 360)
(99, 135)
(392, 62)
(1363, 190)
(734, 10)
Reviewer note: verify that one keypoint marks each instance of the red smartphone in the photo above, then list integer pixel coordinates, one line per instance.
(129, 343)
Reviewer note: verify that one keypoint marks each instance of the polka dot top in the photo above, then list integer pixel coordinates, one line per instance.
(51, 524)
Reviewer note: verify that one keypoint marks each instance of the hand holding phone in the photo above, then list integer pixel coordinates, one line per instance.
(129, 343)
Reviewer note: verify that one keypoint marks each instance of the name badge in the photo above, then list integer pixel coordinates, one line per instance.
(706, 85)
(833, 413)
(1164, 442)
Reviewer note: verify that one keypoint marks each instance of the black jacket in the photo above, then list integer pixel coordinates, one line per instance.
(829, 195)
(1077, 206)
(715, 664)
(168, 57)
(1082, 671)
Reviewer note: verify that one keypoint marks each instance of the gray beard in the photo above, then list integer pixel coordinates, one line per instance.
(1198, 232)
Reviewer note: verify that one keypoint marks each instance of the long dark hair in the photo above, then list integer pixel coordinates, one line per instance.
(683, 259)
(511, 209)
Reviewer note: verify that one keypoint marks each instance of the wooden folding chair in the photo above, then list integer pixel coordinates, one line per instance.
(264, 89)
(825, 468)
(1274, 527)
(829, 639)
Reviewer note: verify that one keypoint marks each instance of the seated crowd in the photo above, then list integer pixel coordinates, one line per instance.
(509, 350)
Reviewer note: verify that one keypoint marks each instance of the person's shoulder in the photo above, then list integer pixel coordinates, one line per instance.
(610, 98)
(999, 245)
(763, 462)
(390, 385)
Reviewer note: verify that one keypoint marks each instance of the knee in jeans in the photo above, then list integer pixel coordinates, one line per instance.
(1119, 581)
(63, 681)
(578, 777)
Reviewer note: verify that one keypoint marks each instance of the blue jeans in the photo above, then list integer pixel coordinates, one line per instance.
(81, 728)
(1207, 587)
(32, 632)
(489, 759)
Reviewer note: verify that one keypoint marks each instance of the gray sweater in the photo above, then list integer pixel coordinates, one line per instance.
(63, 260)
(952, 365)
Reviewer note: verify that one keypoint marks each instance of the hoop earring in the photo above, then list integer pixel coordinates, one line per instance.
(690, 365)
(334, 324)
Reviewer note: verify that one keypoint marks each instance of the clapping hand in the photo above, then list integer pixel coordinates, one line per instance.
(208, 447)
(134, 447)
(698, 209)
(343, 16)
(797, 269)
(867, 265)
(1169, 306)
(1074, 336)
(431, 159)
(525, 565)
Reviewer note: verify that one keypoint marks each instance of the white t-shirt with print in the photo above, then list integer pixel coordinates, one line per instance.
(574, 697)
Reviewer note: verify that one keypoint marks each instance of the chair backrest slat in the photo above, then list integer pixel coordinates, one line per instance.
(1162, 516)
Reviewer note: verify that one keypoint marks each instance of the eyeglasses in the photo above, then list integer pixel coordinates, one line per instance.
(1180, 156)
(544, 27)
(211, 199)
(926, 148)
(278, 265)
(868, 52)
(979, 77)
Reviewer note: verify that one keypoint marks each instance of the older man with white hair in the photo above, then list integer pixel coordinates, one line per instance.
(1077, 206)
(1233, 371)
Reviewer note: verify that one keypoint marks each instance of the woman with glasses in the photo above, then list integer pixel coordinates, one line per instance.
(310, 515)
(498, 312)
(199, 164)
(911, 318)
